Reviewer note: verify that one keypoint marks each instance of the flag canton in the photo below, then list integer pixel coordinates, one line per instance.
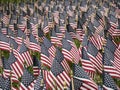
(23, 48)
(79, 72)
(68, 37)
(11, 58)
(111, 46)
(56, 68)
(84, 54)
(108, 81)
(44, 50)
(5, 84)
(77, 83)
(108, 57)
(27, 78)
(37, 84)
(66, 45)
(3, 38)
(2, 82)
(47, 43)
(6, 64)
(59, 55)
(92, 49)
(32, 39)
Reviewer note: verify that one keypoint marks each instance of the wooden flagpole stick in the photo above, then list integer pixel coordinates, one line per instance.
(71, 73)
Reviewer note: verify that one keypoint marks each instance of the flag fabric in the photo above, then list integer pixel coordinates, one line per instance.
(26, 58)
(4, 42)
(54, 39)
(95, 56)
(34, 44)
(27, 80)
(62, 60)
(6, 69)
(80, 75)
(45, 56)
(58, 76)
(108, 66)
(51, 48)
(108, 82)
(87, 64)
(5, 83)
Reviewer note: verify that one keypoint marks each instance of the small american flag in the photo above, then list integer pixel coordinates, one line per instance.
(95, 56)
(58, 75)
(25, 55)
(51, 48)
(45, 56)
(33, 45)
(80, 74)
(54, 39)
(60, 58)
(4, 42)
(87, 64)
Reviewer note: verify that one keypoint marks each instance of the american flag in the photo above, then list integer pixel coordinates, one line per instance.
(74, 51)
(25, 55)
(33, 45)
(34, 26)
(108, 66)
(114, 24)
(58, 32)
(95, 56)
(4, 42)
(5, 19)
(108, 82)
(97, 26)
(45, 26)
(19, 39)
(27, 80)
(45, 56)
(3, 28)
(115, 51)
(71, 21)
(57, 76)
(13, 43)
(83, 5)
(54, 39)
(87, 64)
(15, 65)
(97, 40)
(21, 23)
(60, 58)
(66, 50)
(81, 75)
(51, 48)
(71, 31)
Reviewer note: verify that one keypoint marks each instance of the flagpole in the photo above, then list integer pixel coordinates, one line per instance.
(71, 73)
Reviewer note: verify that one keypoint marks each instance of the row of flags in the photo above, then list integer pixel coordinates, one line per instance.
(73, 39)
